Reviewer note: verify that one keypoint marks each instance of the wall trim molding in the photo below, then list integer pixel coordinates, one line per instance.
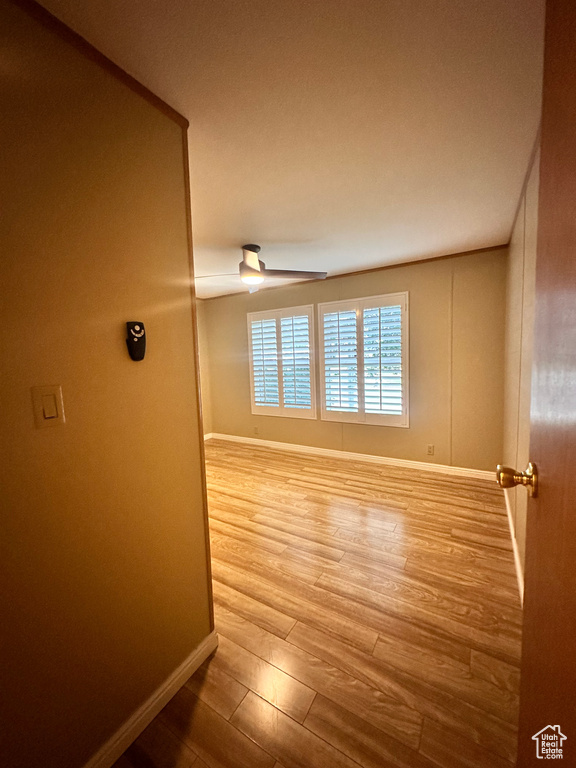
(477, 474)
(143, 716)
(517, 560)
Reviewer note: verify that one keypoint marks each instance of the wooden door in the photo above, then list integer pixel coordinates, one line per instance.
(548, 689)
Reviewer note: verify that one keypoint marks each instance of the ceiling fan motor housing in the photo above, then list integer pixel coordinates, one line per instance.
(250, 262)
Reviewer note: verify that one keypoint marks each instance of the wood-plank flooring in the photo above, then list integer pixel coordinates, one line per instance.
(368, 616)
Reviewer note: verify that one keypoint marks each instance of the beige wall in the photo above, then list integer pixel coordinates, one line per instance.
(456, 362)
(519, 341)
(103, 567)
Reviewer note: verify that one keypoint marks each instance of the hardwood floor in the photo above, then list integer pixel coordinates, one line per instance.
(368, 616)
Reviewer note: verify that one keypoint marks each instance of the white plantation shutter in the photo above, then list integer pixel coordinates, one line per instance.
(265, 362)
(383, 360)
(295, 337)
(341, 361)
(364, 360)
(281, 362)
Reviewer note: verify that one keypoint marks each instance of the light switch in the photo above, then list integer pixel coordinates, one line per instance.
(48, 406)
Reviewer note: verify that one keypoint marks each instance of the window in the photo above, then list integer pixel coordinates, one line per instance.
(282, 362)
(364, 360)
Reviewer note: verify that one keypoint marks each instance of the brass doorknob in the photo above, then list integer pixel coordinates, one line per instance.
(508, 478)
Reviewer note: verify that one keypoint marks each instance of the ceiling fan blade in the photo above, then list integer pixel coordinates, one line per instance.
(222, 274)
(291, 274)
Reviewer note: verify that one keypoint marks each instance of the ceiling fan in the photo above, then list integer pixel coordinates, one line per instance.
(253, 272)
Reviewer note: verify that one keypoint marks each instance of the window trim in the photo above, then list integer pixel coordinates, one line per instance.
(358, 305)
(282, 410)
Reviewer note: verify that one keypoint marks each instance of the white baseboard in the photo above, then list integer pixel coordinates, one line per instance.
(478, 474)
(517, 561)
(133, 727)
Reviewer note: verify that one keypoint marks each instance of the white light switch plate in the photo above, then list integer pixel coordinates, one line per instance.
(48, 406)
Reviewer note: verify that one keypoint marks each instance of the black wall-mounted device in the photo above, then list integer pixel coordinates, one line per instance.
(136, 340)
